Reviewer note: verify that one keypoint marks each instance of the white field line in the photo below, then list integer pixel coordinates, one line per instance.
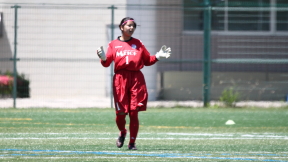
(145, 152)
(153, 152)
(155, 136)
(193, 134)
(67, 138)
(178, 134)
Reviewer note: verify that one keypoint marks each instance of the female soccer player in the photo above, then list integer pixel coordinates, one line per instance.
(129, 87)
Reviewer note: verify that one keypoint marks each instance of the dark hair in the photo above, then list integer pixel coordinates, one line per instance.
(124, 21)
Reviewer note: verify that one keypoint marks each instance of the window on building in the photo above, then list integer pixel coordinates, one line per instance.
(282, 15)
(238, 15)
(252, 15)
(193, 15)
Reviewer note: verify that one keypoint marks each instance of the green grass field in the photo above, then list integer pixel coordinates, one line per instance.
(166, 134)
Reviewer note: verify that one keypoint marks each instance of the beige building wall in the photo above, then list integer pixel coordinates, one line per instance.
(54, 37)
(180, 81)
(53, 41)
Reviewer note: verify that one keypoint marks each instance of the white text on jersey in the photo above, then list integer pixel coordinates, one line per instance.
(126, 52)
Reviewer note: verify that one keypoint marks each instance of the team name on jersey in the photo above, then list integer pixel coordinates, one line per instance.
(126, 52)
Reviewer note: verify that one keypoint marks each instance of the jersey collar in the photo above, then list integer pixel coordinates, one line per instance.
(124, 41)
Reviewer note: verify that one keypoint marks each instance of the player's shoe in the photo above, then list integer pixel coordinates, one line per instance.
(132, 146)
(121, 139)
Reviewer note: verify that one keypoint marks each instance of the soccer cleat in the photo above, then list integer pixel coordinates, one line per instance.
(132, 146)
(120, 140)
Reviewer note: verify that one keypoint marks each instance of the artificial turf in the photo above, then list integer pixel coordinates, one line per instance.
(166, 134)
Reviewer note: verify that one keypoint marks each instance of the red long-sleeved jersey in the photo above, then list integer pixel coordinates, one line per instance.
(128, 55)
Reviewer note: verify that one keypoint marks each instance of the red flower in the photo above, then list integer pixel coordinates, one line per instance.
(5, 80)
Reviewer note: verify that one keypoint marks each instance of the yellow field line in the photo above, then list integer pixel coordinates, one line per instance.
(15, 119)
(49, 123)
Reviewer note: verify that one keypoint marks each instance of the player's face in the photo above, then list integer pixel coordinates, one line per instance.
(128, 29)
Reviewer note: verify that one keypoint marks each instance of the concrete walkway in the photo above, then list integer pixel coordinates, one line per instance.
(106, 103)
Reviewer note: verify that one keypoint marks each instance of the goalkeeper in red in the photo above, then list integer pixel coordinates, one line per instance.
(129, 87)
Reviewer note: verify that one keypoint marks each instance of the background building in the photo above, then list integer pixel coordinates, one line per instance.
(57, 41)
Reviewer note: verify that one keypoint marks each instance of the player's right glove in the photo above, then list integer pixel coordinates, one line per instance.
(163, 53)
(101, 53)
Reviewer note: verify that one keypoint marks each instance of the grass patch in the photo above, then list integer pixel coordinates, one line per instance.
(166, 134)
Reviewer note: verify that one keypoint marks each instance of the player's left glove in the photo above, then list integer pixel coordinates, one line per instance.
(163, 53)
(101, 53)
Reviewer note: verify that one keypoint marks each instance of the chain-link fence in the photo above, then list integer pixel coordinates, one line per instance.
(53, 48)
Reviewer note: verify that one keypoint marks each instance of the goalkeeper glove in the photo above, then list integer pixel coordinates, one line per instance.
(163, 53)
(101, 53)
